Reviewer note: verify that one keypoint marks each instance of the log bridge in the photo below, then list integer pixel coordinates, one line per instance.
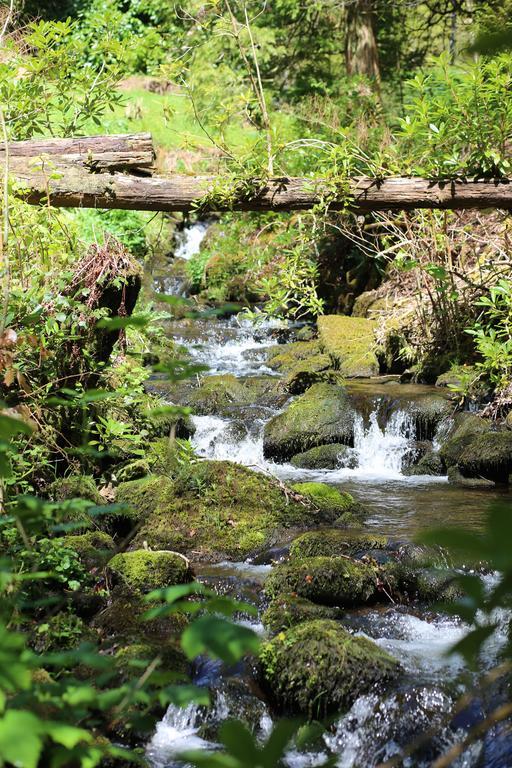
(117, 172)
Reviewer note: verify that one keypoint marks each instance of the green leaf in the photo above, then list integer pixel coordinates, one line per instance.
(67, 735)
(240, 742)
(118, 323)
(20, 740)
(218, 638)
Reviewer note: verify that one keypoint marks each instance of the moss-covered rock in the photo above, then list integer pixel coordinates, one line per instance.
(322, 415)
(429, 464)
(318, 667)
(285, 357)
(455, 477)
(466, 427)
(216, 510)
(143, 570)
(287, 610)
(76, 487)
(336, 581)
(350, 343)
(436, 584)
(94, 547)
(325, 457)
(133, 659)
(488, 456)
(335, 542)
(428, 412)
(334, 505)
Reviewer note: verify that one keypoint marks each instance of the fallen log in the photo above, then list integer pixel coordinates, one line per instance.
(91, 154)
(75, 189)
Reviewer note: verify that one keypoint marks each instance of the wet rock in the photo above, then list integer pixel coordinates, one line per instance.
(429, 464)
(335, 542)
(324, 414)
(308, 372)
(435, 584)
(455, 477)
(459, 377)
(335, 581)
(141, 571)
(350, 343)
(334, 505)
(416, 452)
(216, 511)
(287, 610)
(285, 357)
(428, 412)
(318, 667)
(331, 456)
(233, 695)
(478, 452)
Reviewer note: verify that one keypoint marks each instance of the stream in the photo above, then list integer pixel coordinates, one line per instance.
(376, 727)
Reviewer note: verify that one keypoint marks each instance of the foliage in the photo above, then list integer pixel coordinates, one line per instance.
(493, 334)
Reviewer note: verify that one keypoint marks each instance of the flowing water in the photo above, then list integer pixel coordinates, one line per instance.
(376, 727)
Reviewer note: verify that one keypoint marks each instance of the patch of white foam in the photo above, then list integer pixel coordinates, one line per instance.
(175, 734)
(190, 239)
(380, 451)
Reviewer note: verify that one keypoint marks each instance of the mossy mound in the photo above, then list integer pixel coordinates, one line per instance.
(334, 505)
(286, 611)
(334, 542)
(93, 548)
(437, 585)
(142, 570)
(334, 581)
(223, 393)
(318, 667)
(350, 343)
(285, 357)
(308, 372)
(216, 510)
(325, 457)
(76, 487)
(322, 415)
(133, 659)
(455, 477)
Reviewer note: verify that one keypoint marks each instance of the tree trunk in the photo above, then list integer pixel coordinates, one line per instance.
(361, 52)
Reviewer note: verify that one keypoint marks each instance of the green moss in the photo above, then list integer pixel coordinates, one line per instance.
(333, 543)
(350, 343)
(94, 547)
(429, 464)
(76, 487)
(215, 510)
(318, 667)
(323, 457)
(288, 610)
(455, 477)
(428, 412)
(466, 427)
(142, 570)
(134, 658)
(285, 357)
(488, 455)
(322, 415)
(333, 504)
(325, 580)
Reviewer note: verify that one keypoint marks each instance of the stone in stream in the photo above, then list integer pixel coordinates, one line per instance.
(142, 570)
(317, 668)
(331, 456)
(217, 510)
(324, 414)
(338, 506)
(334, 581)
(475, 449)
(350, 343)
(429, 464)
(427, 413)
(334, 542)
(288, 610)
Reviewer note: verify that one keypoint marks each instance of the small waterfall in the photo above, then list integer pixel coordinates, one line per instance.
(189, 240)
(217, 438)
(381, 451)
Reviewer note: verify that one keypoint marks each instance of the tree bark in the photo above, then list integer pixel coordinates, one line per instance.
(75, 189)
(94, 154)
(361, 52)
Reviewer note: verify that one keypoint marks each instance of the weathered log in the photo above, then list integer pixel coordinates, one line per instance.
(182, 193)
(92, 154)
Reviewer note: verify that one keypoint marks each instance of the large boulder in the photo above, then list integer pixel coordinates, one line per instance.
(318, 667)
(428, 412)
(350, 343)
(217, 510)
(336, 581)
(93, 548)
(476, 451)
(429, 464)
(324, 414)
(330, 456)
(288, 610)
(142, 570)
